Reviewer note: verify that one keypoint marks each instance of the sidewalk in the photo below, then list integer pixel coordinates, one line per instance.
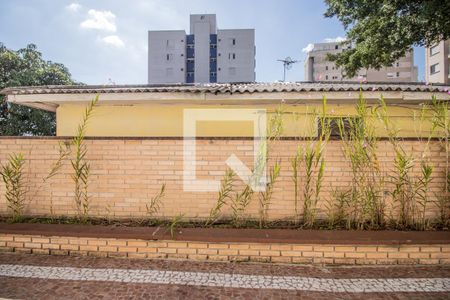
(38, 277)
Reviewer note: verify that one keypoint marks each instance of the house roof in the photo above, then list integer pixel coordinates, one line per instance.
(221, 88)
(50, 97)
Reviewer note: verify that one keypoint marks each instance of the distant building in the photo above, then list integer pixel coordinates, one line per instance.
(319, 68)
(437, 63)
(205, 55)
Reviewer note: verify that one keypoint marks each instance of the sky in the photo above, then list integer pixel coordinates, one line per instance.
(105, 41)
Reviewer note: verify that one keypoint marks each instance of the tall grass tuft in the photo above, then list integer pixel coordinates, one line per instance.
(312, 157)
(80, 165)
(266, 195)
(154, 206)
(366, 201)
(226, 188)
(12, 175)
(275, 130)
(441, 124)
(410, 193)
(295, 165)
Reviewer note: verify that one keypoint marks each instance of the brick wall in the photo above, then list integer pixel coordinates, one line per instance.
(227, 251)
(126, 173)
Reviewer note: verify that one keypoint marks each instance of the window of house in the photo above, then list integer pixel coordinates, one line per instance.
(326, 68)
(169, 56)
(234, 55)
(326, 77)
(202, 17)
(233, 42)
(339, 126)
(434, 50)
(398, 74)
(336, 47)
(434, 68)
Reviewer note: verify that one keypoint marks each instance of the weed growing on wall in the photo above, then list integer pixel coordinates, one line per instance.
(80, 165)
(13, 177)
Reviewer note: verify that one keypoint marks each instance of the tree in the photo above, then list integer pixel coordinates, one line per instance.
(25, 67)
(382, 31)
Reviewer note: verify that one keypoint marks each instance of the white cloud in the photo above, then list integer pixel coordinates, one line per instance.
(101, 20)
(73, 7)
(308, 48)
(113, 40)
(338, 39)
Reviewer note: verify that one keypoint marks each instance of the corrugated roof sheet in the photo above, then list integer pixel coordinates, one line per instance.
(218, 88)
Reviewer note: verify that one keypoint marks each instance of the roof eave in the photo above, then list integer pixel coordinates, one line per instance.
(50, 102)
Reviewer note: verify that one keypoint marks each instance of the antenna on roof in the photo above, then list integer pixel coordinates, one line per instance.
(287, 65)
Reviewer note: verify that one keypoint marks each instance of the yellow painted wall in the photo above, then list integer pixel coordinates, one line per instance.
(167, 120)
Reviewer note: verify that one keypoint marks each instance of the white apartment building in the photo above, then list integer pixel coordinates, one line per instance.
(437, 63)
(319, 68)
(205, 55)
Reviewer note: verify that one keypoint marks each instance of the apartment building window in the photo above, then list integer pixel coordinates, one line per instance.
(231, 55)
(169, 44)
(434, 69)
(434, 50)
(233, 42)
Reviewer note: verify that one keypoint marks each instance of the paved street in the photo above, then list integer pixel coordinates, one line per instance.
(25, 276)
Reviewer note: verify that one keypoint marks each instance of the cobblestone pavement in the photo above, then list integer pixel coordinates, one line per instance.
(24, 276)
